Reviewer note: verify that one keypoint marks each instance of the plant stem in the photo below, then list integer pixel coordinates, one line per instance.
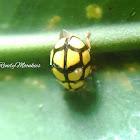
(103, 38)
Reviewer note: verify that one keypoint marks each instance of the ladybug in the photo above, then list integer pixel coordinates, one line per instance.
(70, 60)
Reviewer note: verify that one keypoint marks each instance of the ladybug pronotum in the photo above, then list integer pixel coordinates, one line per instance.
(70, 60)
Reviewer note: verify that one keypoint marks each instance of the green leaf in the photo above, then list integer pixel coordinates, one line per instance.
(35, 106)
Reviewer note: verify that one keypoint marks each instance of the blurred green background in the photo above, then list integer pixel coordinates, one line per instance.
(26, 16)
(34, 105)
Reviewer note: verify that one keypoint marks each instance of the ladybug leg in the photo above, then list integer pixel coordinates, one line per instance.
(87, 40)
(85, 87)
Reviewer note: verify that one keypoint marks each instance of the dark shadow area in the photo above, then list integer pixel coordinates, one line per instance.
(115, 59)
(83, 101)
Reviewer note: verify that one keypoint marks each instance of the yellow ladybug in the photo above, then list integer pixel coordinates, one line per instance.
(70, 60)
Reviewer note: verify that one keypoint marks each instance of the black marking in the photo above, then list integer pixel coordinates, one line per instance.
(72, 68)
(52, 58)
(78, 50)
(65, 61)
(65, 53)
(74, 83)
(81, 78)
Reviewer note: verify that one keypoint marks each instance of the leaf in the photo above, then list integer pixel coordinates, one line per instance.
(34, 105)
